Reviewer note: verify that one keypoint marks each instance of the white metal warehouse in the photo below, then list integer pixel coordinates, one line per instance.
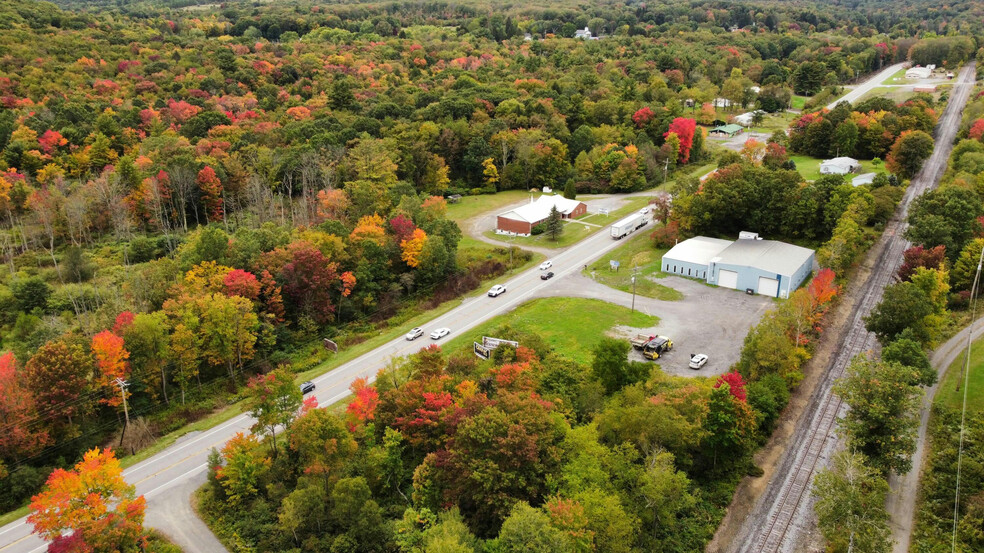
(764, 267)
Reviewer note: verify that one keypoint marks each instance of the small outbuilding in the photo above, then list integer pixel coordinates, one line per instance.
(522, 219)
(839, 166)
(726, 131)
(765, 267)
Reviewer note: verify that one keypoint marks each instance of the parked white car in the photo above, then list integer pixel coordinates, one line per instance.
(496, 290)
(546, 265)
(698, 361)
(415, 333)
(440, 333)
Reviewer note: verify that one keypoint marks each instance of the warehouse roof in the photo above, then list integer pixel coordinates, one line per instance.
(768, 255)
(536, 211)
(698, 250)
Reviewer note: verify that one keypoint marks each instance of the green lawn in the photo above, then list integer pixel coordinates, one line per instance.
(470, 206)
(798, 102)
(809, 167)
(570, 325)
(896, 94)
(775, 121)
(636, 252)
(947, 393)
(574, 231)
(897, 78)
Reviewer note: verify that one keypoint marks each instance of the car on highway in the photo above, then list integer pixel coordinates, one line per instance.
(546, 276)
(307, 387)
(496, 290)
(546, 265)
(440, 333)
(697, 361)
(415, 333)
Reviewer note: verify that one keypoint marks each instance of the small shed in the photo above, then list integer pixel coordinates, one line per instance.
(728, 130)
(930, 88)
(839, 166)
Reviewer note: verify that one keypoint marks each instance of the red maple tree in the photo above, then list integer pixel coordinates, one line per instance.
(735, 382)
(684, 127)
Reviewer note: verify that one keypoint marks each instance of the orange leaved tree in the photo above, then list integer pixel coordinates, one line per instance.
(90, 506)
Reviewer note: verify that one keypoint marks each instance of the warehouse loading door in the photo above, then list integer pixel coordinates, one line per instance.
(768, 287)
(727, 279)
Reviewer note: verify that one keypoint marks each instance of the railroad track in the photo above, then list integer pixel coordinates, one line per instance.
(787, 497)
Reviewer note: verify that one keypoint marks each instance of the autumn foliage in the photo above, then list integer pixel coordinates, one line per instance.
(684, 127)
(111, 360)
(736, 384)
(362, 408)
(93, 502)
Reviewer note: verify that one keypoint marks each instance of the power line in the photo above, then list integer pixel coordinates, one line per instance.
(963, 410)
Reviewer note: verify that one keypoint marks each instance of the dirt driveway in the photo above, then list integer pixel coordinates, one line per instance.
(707, 320)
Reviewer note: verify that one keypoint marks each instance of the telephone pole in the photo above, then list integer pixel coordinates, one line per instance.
(123, 384)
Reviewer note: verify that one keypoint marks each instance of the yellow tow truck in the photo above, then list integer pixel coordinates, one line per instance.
(656, 347)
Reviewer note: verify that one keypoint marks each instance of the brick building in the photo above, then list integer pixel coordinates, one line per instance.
(522, 219)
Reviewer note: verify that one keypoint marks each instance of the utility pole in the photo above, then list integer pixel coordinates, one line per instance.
(633, 293)
(123, 384)
(126, 413)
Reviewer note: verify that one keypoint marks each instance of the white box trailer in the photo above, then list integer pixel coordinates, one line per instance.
(628, 225)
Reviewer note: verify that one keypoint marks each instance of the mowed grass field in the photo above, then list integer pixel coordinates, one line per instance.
(636, 252)
(809, 167)
(572, 326)
(948, 395)
(471, 206)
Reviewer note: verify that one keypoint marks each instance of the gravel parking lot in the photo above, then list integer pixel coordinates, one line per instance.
(708, 320)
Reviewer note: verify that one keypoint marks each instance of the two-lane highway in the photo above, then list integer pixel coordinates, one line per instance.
(186, 459)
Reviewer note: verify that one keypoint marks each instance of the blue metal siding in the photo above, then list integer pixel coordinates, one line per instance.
(677, 267)
(748, 276)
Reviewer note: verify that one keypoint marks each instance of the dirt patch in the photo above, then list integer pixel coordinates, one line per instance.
(768, 458)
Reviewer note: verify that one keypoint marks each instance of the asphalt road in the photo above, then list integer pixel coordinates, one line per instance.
(873, 82)
(164, 478)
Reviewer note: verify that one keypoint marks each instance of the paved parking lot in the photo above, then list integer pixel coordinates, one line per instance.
(708, 320)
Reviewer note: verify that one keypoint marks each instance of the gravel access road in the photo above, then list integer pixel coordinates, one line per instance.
(783, 516)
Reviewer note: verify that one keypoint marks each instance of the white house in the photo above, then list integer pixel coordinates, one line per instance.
(839, 166)
(745, 119)
(919, 72)
(584, 33)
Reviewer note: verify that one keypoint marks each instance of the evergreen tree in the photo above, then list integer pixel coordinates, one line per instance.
(570, 191)
(555, 226)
